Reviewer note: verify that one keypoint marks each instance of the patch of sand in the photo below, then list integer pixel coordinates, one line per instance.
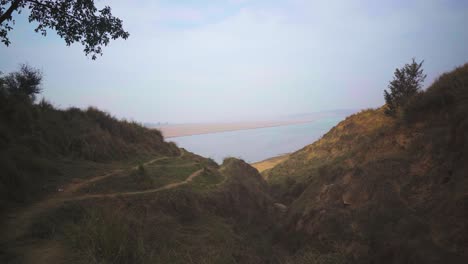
(181, 130)
(269, 163)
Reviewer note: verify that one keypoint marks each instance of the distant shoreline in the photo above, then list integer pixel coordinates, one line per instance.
(183, 130)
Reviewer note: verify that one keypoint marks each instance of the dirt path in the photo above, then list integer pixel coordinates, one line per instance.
(73, 187)
(17, 226)
(126, 194)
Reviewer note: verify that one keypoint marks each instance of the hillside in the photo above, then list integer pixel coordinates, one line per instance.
(385, 190)
(80, 186)
(43, 146)
(210, 215)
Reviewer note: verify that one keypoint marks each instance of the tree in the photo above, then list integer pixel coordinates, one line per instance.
(406, 83)
(22, 85)
(73, 20)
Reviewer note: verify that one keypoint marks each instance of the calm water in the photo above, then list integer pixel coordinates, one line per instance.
(256, 144)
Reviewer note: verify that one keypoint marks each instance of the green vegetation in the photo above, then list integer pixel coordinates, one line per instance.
(218, 217)
(103, 236)
(352, 138)
(406, 83)
(374, 189)
(73, 20)
(181, 225)
(36, 139)
(208, 179)
(146, 177)
(446, 99)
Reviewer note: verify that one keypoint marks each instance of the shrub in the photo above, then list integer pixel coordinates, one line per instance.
(23, 84)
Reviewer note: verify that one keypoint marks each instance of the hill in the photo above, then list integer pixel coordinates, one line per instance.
(44, 147)
(385, 190)
(80, 186)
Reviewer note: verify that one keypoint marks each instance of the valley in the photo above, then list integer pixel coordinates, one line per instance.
(373, 189)
(233, 132)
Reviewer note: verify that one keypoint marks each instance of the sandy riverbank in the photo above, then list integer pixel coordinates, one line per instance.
(181, 130)
(269, 163)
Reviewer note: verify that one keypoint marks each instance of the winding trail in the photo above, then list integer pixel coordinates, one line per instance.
(126, 194)
(73, 187)
(18, 225)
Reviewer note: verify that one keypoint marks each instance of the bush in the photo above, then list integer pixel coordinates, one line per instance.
(22, 85)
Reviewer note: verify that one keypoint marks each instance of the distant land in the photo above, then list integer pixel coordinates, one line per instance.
(189, 129)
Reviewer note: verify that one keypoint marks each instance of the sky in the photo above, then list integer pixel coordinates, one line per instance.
(233, 60)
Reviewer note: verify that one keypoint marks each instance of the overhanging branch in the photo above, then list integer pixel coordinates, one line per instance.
(7, 14)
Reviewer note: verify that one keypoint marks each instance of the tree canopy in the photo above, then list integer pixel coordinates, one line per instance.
(23, 85)
(73, 20)
(407, 82)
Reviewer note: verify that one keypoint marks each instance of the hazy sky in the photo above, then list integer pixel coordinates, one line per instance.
(222, 60)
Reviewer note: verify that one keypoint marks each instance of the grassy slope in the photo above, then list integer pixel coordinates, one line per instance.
(220, 217)
(373, 189)
(46, 147)
(337, 148)
(154, 175)
(383, 190)
(215, 218)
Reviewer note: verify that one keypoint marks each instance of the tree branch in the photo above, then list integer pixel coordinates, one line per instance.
(52, 8)
(7, 14)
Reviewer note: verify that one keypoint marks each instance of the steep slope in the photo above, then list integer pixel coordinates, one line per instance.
(383, 190)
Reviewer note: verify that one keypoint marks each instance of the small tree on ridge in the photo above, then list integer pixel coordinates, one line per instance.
(406, 83)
